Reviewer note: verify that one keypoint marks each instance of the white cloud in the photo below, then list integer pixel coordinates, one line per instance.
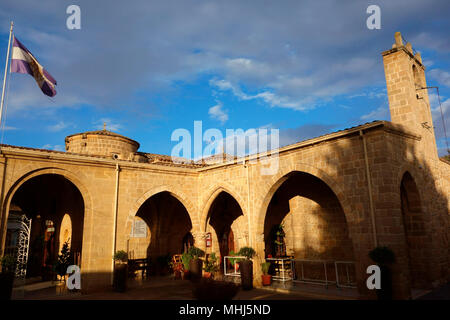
(268, 97)
(56, 147)
(438, 117)
(216, 112)
(59, 126)
(289, 85)
(293, 55)
(431, 41)
(441, 76)
(9, 128)
(111, 125)
(381, 113)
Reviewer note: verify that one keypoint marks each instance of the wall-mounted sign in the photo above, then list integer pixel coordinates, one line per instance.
(139, 229)
(208, 239)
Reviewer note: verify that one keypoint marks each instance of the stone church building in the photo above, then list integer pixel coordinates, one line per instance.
(338, 196)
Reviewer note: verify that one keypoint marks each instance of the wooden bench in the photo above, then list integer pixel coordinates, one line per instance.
(142, 265)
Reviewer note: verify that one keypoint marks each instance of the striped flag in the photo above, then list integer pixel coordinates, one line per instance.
(23, 61)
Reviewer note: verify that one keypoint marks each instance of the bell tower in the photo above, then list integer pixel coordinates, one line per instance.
(408, 97)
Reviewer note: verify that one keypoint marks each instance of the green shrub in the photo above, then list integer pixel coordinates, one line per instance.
(265, 267)
(247, 252)
(64, 260)
(186, 259)
(121, 256)
(211, 263)
(8, 263)
(196, 252)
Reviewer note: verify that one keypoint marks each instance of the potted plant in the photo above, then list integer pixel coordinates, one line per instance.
(234, 261)
(384, 257)
(266, 277)
(186, 259)
(279, 235)
(195, 265)
(177, 269)
(246, 267)
(120, 271)
(8, 264)
(63, 261)
(210, 266)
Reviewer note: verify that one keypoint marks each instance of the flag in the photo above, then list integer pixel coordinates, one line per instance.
(23, 61)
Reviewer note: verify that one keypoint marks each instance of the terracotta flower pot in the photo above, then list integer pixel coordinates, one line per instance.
(266, 279)
(207, 275)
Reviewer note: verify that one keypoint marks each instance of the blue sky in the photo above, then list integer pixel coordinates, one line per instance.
(147, 68)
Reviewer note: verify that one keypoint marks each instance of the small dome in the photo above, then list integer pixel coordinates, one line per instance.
(102, 143)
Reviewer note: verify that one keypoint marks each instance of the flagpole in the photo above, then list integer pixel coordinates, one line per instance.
(6, 72)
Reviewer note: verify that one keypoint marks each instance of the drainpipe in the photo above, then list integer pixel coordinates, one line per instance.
(116, 202)
(369, 185)
(3, 213)
(248, 204)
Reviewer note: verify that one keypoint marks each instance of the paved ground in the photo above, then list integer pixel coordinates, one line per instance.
(164, 288)
(441, 293)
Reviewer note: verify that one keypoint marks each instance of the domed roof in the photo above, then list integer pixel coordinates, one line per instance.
(102, 143)
(104, 132)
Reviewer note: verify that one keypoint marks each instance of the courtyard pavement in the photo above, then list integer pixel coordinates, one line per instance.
(166, 288)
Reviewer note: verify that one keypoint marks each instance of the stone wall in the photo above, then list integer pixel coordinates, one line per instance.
(102, 143)
(340, 203)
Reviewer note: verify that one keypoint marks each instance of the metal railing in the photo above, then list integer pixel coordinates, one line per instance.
(304, 279)
(235, 273)
(349, 283)
(283, 274)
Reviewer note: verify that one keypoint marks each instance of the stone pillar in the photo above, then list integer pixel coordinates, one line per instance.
(199, 239)
(259, 247)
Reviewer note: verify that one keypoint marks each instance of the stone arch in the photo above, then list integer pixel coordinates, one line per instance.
(324, 225)
(414, 172)
(415, 228)
(277, 180)
(70, 176)
(224, 216)
(212, 193)
(165, 236)
(177, 194)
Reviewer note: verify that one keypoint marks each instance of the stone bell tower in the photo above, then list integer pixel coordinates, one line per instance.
(408, 97)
